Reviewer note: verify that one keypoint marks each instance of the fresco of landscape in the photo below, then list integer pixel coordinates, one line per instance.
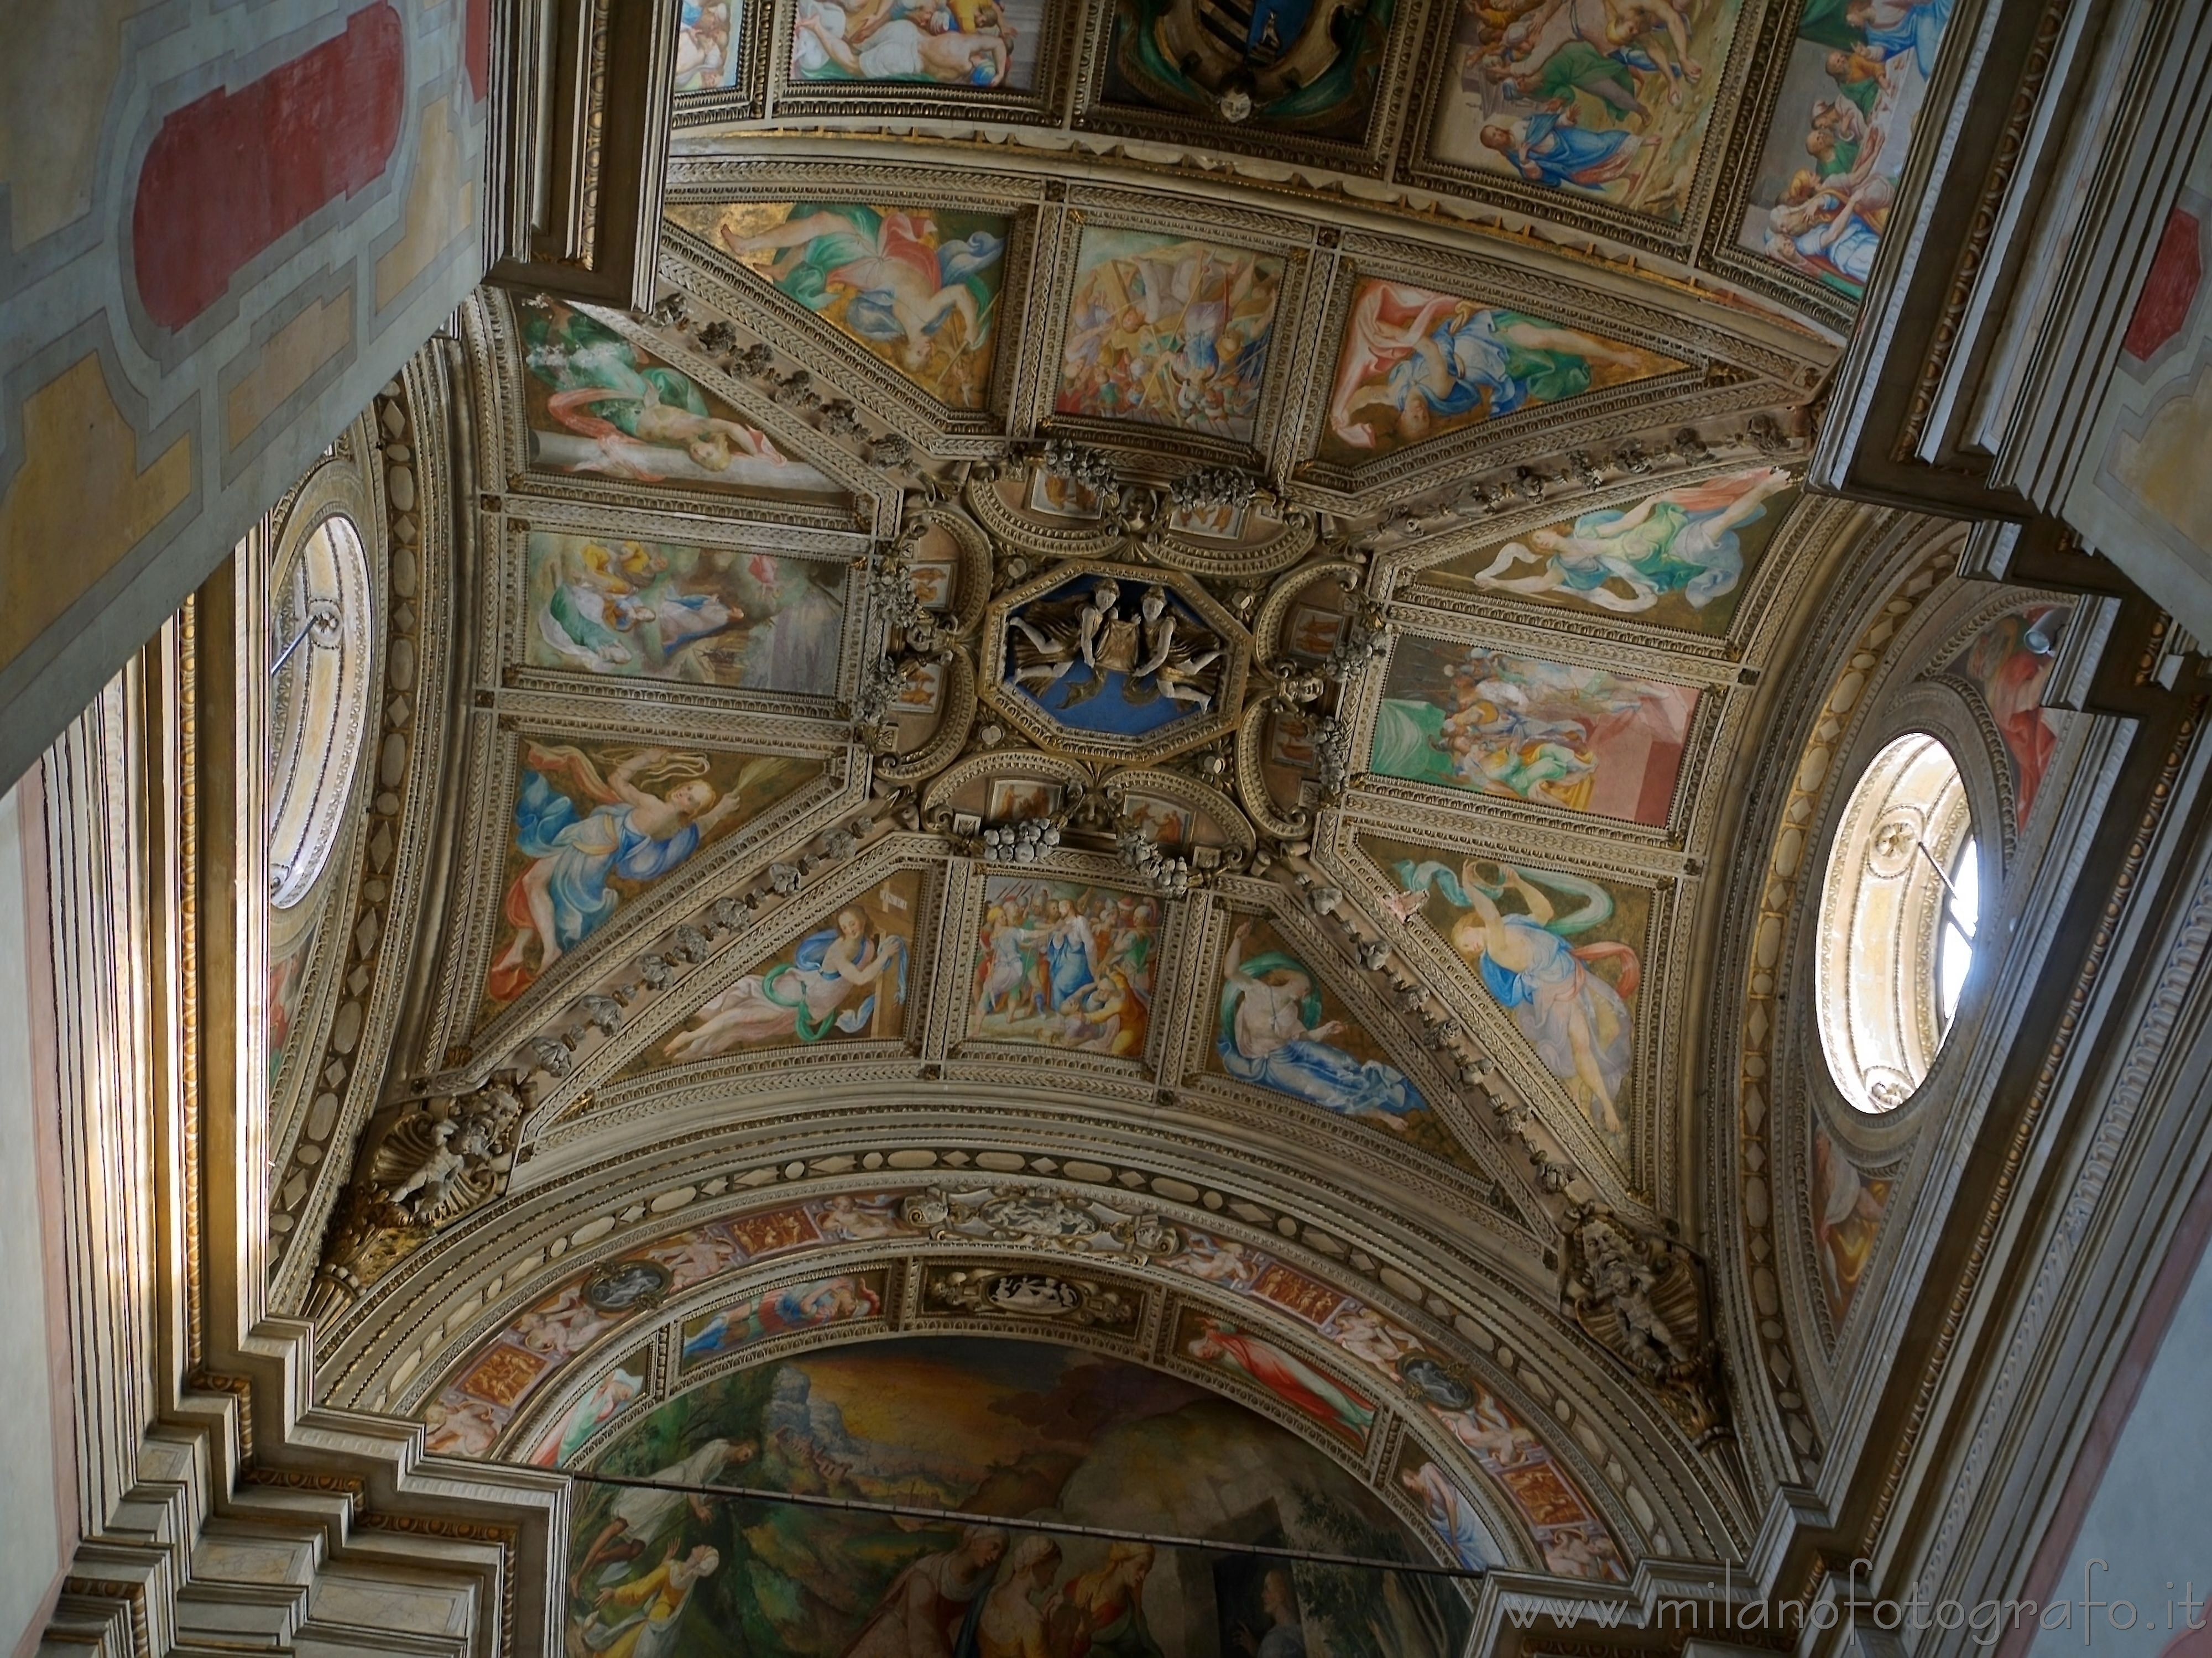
(1011, 1429)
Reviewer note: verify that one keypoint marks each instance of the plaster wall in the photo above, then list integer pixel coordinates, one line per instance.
(35, 1473)
(223, 228)
(2144, 1538)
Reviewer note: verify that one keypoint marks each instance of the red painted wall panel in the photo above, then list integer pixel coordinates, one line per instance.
(2170, 289)
(229, 174)
(476, 49)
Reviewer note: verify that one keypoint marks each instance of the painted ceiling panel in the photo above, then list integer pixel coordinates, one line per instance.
(1110, 725)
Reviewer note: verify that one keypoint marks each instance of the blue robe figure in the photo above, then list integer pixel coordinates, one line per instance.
(1070, 957)
(1550, 148)
(1272, 1035)
(585, 853)
(1918, 29)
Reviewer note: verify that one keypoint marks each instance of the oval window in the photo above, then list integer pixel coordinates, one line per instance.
(318, 702)
(1898, 908)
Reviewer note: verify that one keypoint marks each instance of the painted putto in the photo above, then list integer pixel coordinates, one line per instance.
(1485, 721)
(1416, 364)
(919, 289)
(1606, 99)
(626, 609)
(1059, 964)
(1677, 558)
(1170, 330)
(962, 43)
(1827, 176)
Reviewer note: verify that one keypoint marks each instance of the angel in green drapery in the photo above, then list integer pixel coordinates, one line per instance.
(641, 414)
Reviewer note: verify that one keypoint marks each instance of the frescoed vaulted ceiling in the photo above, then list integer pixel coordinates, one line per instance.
(1142, 668)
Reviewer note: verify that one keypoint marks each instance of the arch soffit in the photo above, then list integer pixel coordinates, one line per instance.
(1653, 1500)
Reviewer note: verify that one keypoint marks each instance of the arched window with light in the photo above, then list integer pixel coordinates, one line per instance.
(318, 700)
(1899, 906)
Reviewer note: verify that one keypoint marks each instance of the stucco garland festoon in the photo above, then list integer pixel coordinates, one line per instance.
(652, 965)
(1434, 1022)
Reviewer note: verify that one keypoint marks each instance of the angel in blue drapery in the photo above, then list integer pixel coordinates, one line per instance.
(1577, 1021)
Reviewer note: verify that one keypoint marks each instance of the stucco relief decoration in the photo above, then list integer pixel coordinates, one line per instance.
(440, 1159)
(918, 645)
(1642, 1296)
(1111, 659)
(1041, 1220)
(1049, 1297)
